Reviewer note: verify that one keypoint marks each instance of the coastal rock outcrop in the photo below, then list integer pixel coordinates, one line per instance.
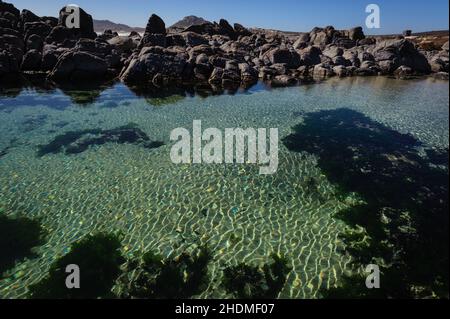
(204, 53)
(155, 33)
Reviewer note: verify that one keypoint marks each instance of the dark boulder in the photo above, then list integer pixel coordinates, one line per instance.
(310, 55)
(78, 66)
(60, 34)
(51, 21)
(322, 36)
(28, 16)
(407, 33)
(240, 30)
(226, 29)
(86, 29)
(175, 40)
(8, 64)
(356, 34)
(155, 25)
(34, 42)
(143, 67)
(401, 52)
(155, 33)
(193, 39)
(302, 41)
(283, 81)
(122, 43)
(205, 28)
(50, 56)
(32, 61)
(10, 13)
(14, 45)
(152, 40)
(290, 58)
(39, 28)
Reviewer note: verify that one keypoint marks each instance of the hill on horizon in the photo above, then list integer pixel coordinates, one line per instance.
(102, 25)
(188, 21)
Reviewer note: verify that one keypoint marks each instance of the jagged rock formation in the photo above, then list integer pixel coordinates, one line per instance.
(210, 53)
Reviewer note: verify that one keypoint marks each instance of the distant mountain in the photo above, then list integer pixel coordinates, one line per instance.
(102, 25)
(188, 21)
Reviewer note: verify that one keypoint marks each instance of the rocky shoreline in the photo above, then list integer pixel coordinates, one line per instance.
(211, 54)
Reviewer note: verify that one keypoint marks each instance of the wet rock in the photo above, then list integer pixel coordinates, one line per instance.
(216, 76)
(78, 66)
(231, 78)
(323, 70)
(439, 63)
(403, 71)
(283, 81)
(50, 55)
(248, 73)
(364, 72)
(441, 76)
(32, 61)
(341, 71)
(203, 71)
(8, 64)
(14, 45)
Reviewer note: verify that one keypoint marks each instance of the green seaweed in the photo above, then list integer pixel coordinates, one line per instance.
(167, 100)
(17, 238)
(249, 282)
(98, 258)
(405, 215)
(182, 277)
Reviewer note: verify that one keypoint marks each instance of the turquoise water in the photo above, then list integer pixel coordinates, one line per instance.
(242, 216)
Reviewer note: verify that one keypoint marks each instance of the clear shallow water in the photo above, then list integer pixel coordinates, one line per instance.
(241, 215)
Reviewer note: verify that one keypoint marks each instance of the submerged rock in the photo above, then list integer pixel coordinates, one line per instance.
(76, 142)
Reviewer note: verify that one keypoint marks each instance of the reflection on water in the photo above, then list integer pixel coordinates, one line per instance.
(244, 219)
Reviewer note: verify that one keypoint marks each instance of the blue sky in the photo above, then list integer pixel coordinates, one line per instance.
(289, 15)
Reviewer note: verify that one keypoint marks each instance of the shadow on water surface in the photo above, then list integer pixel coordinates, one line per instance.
(17, 238)
(404, 217)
